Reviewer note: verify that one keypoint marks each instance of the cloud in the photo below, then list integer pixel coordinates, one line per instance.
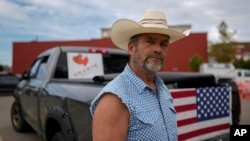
(25, 20)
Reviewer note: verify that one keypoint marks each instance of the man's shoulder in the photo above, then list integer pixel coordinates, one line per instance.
(118, 81)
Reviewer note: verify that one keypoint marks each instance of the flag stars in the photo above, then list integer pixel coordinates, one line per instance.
(205, 115)
(216, 105)
(210, 98)
(205, 106)
(208, 102)
(214, 110)
(211, 106)
(212, 102)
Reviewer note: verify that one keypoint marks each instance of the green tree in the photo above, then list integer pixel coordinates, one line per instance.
(1, 67)
(225, 35)
(195, 62)
(242, 64)
(247, 64)
(223, 51)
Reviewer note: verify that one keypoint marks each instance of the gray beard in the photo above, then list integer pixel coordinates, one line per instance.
(152, 68)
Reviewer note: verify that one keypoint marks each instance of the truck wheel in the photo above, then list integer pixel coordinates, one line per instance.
(58, 136)
(17, 120)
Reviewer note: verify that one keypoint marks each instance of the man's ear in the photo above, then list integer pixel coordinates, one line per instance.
(130, 48)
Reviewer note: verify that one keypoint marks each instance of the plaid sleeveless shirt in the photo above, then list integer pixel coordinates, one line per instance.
(152, 115)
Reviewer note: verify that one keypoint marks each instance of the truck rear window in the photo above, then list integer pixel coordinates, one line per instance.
(111, 63)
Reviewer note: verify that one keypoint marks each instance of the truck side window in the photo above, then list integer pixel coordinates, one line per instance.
(239, 73)
(247, 73)
(33, 69)
(42, 68)
(61, 67)
(37, 68)
(113, 63)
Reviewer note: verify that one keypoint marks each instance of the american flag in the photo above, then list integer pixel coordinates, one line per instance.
(202, 113)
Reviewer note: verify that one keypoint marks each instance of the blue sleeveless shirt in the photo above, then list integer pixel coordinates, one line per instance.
(152, 115)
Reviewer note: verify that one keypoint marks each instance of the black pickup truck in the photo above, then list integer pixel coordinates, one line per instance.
(54, 95)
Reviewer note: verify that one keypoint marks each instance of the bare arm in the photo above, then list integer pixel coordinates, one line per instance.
(110, 120)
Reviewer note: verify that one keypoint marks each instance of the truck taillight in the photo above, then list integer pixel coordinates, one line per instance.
(93, 50)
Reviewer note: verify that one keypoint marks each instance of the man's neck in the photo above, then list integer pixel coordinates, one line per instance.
(146, 76)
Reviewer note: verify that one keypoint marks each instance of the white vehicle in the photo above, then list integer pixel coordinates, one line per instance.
(242, 80)
(222, 71)
(219, 70)
(242, 74)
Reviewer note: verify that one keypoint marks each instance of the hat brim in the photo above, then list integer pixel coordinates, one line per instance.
(123, 29)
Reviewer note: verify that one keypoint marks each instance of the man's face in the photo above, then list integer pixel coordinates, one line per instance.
(150, 51)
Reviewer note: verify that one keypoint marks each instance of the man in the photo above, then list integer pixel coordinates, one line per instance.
(136, 105)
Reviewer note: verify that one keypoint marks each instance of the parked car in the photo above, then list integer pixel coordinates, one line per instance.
(8, 82)
(54, 95)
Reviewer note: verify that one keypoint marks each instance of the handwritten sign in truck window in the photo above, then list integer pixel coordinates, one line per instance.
(84, 65)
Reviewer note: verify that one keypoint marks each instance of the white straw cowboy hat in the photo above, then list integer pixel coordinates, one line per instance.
(152, 21)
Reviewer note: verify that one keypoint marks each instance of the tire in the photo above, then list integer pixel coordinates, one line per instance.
(58, 136)
(17, 120)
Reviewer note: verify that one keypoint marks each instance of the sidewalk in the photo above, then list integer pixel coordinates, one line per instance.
(1, 138)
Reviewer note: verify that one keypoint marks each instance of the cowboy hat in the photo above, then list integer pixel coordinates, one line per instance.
(152, 21)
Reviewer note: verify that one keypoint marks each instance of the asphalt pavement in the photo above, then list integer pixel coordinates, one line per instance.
(7, 133)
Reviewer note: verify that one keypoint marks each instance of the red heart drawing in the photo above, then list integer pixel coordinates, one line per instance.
(80, 60)
(85, 61)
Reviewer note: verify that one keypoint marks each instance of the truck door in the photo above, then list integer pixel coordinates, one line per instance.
(33, 89)
(25, 91)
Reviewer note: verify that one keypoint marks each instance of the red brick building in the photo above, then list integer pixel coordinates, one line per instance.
(242, 51)
(177, 59)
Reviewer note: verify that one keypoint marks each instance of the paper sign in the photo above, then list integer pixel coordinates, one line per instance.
(84, 65)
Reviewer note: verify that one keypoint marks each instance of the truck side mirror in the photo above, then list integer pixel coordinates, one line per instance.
(25, 75)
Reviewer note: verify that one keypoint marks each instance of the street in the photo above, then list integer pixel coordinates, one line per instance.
(7, 133)
(245, 115)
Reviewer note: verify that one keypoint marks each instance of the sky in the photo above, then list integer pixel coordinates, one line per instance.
(48, 20)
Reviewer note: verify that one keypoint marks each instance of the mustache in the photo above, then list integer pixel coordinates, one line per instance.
(155, 55)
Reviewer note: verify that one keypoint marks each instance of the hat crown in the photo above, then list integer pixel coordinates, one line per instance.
(153, 18)
(152, 21)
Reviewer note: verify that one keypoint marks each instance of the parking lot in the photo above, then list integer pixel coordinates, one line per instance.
(7, 133)
(245, 115)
